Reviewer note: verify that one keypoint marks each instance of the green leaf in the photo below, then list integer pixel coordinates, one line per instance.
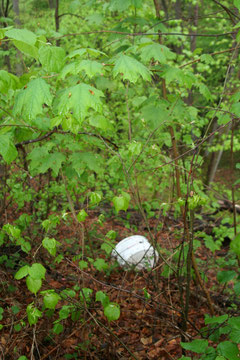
(225, 276)
(42, 160)
(33, 285)
(235, 245)
(157, 52)
(237, 3)
(111, 234)
(29, 102)
(26, 48)
(7, 148)
(50, 245)
(23, 35)
(22, 272)
(208, 59)
(12, 231)
(235, 108)
(112, 311)
(95, 19)
(102, 297)
(68, 293)
(237, 288)
(107, 247)
(135, 148)
(23, 357)
(33, 314)
(211, 244)
(37, 271)
(7, 81)
(86, 51)
(18, 328)
(1, 312)
(121, 202)
(78, 99)
(68, 69)
(26, 246)
(64, 312)
(235, 322)
(235, 335)
(216, 319)
(228, 350)
(184, 78)
(85, 295)
(238, 36)
(3, 30)
(90, 67)
(52, 161)
(52, 58)
(15, 309)
(95, 198)
(58, 328)
(130, 69)
(81, 160)
(83, 264)
(155, 114)
(100, 122)
(81, 216)
(24, 40)
(205, 91)
(119, 5)
(146, 294)
(198, 346)
(51, 299)
(100, 264)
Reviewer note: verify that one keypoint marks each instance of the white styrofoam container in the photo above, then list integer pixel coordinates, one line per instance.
(135, 250)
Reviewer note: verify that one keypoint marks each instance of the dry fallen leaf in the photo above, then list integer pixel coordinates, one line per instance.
(3, 340)
(146, 341)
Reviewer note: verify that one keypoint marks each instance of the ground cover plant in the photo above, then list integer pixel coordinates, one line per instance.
(119, 118)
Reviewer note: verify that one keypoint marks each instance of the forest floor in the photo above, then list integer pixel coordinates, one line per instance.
(149, 326)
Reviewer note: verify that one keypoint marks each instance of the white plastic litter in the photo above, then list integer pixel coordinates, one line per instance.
(135, 250)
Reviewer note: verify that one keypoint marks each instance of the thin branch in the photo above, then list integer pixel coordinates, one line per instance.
(190, 150)
(20, 125)
(100, 137)
(230, 13)
(212, 54)
(35, 140)
(78, 16)
(142, 33)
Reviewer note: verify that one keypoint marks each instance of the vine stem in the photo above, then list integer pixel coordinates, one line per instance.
(70, 202)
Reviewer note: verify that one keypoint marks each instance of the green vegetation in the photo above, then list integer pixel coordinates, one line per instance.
(117, 118)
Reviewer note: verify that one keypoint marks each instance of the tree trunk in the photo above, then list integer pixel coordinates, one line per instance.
(216, 157)
(51, 4)
(4, 9)
(17, 12)
(19, 67)
(57, 23)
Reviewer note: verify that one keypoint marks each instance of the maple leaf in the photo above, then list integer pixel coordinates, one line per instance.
(90, 67)
(157, 52)
(78, 99)
(29, 102)
(130, 69)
